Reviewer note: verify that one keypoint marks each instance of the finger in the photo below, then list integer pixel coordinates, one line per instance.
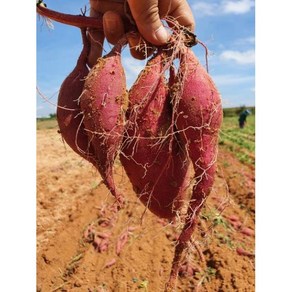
(103, 6)
(96, 39)
(139, 49)
(146, 16)
(113, 26)
(181, 11)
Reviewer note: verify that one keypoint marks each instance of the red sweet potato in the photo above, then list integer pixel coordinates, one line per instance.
(151, 155)
(69, 114)
(198, 119)
(122, 240)
(247, 231)
(103, 103)
(244, 252)
(110, 263)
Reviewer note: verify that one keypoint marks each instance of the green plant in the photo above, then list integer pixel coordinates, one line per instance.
(144, 285)
(225, 239)
(216, 218)
(206, 275)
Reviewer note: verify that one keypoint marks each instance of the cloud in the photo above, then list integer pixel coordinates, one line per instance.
(203, 9)
(228, 79)
(247, 57)
(245, 41)
(237, 100)
(222, 7)
(237, 7)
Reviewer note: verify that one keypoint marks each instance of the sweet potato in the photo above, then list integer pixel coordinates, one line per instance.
(110, 263)
(243, 252)
(198, 119)
(69, 114)
(247, 231)
(151, 155)
(103, 102)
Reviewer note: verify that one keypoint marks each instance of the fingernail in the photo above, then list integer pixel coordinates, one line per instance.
(161, 35)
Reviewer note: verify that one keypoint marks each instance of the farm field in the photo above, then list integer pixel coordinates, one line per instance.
(241, 142)
(72, 204)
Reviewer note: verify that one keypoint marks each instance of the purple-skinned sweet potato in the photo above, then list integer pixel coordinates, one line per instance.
(103, 102)
(69, 115)
(151, 154)
(198, 119)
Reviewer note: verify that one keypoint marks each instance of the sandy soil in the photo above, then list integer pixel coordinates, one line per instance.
(82, 246)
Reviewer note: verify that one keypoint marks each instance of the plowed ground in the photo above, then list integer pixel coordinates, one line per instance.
(133, 251)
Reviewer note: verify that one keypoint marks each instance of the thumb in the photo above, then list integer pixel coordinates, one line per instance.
(146, 16)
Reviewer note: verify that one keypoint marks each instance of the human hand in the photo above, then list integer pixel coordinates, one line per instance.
(147, 15)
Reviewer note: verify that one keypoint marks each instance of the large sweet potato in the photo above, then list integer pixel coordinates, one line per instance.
(151, 154)
(198, 119)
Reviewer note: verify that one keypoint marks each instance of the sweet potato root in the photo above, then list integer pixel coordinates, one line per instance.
(151, 155)
(103, 102)
(69, 116)
(199, 117)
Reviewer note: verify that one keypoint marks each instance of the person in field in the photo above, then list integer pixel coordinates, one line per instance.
(242, 118)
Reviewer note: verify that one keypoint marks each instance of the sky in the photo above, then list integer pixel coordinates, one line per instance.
(227, 27)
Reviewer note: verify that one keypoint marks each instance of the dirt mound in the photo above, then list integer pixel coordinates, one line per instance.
(82, 246)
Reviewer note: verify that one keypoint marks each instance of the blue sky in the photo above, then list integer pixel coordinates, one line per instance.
(227, 27)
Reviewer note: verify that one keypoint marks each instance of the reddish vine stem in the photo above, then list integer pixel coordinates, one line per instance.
(206, 54)
(76, 20)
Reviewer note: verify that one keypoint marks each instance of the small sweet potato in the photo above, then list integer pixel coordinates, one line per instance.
(69, 116)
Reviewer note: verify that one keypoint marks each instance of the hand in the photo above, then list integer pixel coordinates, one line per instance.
(147, 15)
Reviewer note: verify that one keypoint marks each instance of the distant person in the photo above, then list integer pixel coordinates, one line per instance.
(242, 118)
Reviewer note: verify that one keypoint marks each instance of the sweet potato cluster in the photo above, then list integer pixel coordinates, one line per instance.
(162, 130)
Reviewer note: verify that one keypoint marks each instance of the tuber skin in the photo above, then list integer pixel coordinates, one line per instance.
(151, 155)
(103, 102)
(69, 116)
(199, 118)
